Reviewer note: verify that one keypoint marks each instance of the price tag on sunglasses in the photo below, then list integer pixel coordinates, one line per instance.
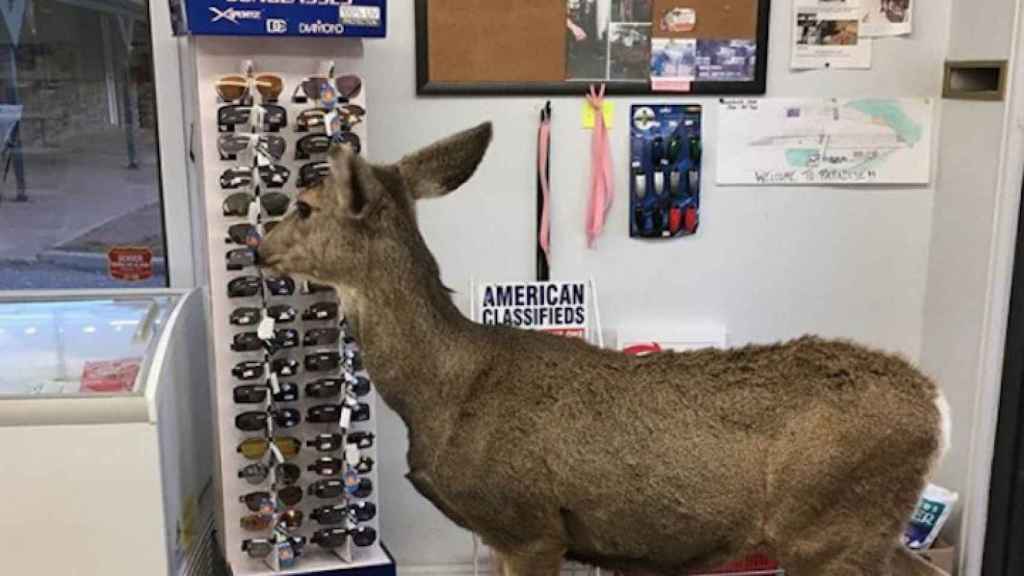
(330, 122)
(352, 455)
(265, 331)
(254, 211)
(346, 417)
(278, 456)
(275, 384)
(256, 116)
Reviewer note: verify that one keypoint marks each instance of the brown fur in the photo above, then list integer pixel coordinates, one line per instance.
(814, 451)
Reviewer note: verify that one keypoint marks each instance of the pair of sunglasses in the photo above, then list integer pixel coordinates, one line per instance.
(244, 235)
(284, 367)
(321, 337)
(249, 316)
(347, 117)
(240, 258)
(231, 144)
(326, 489)
(274, 203)
(274, 117)
(335, 514)
(323, 362)
(335, 466)
(257, 421)
(291, 519)
(287, 474)
(238, 177)
(325, 388)
(362, 440)
(331, 413)
(257, 393)
(265, 502)
(312, 174)
(281, 286)
(260, 548)
(247, 342)
(249, 370)
(244, 287)
(331, 538)
(321, 311)
(321, 88)
(236, 88)
(359, 487)
(257, 448)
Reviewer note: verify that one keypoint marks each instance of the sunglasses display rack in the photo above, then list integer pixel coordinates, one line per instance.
(296, 411)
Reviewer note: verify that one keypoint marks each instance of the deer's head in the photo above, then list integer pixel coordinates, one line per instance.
(361, 215)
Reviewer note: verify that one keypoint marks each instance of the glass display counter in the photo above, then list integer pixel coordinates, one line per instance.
(105, 415)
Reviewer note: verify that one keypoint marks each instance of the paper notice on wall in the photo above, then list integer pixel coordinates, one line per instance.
(826, 34)
(780, 142)
(673, 64)
(886, 17)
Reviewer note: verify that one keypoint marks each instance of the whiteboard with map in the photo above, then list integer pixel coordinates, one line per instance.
(857, 141)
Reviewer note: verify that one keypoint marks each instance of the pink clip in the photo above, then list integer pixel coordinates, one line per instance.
(602, 186)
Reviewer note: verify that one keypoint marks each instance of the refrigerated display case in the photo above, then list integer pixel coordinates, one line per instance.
(105, 415)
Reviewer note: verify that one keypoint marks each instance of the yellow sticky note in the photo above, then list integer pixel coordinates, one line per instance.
(588, 114)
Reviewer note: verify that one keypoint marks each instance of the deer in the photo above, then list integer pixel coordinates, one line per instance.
(813, 451)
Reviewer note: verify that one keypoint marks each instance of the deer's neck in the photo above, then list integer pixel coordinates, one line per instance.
(412, 337)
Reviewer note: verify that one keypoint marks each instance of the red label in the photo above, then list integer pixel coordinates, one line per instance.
(130, 264)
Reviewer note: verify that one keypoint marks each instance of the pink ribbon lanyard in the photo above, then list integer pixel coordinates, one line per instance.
(602, 187)
(544, 145)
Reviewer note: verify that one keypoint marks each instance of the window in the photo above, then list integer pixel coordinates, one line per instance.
(80, 198)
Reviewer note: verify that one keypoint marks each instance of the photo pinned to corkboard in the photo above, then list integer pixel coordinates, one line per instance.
(545, 47)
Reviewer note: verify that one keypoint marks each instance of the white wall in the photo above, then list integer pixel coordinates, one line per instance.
(768, 263)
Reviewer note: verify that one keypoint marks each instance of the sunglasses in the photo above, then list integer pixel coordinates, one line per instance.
(250, 394)
(275, 176)
(325, 414)
(257, 522)
(281, 286)
(326, 489)
(327, 466)
(285, 367)
(248, 370)
(311, 144)
(240, 258)
(288, 474)
(244, 235)
(274, 203)
(256, 448)
(364, 466)
(312, 173)
(323, 362)
(286, 338)
(330, 538)
(363, 536)
(362, 440)
(282, 313)
(254, 473)
(309, 119)
(261, 502)
(363, 511)
(355, 359)
(321, 337)
(257, 421)
(359, 386)
(244, 287)
(238, 204)
(330, 515)
(350, 116)
(326, 442)
(320, 88)
(321, 311)
(290, 495)
(324, 389)
(291, 519)
(247, 342)
(236, 177)
(362, 488)
(274, 117)
(245, 317)
(236, 88)
(261, 548)
(231, 144)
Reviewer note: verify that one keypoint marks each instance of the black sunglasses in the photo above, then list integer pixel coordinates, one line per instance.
(236, 177)
(254, 473)
(326, 442)
(321, 311)
(326, 489)
(288, 474)
(324, 414)
(325, 388)
(323, 362)
(362, 440)
(363, 511)
(290, 495)
(247, 342)
(258, 502)
(274, 175)
(281, 286)
(248, 370)
(363, 536)
(287, 392)
(361, 413)
(286, 338)
(310, 145)
(238, 204)
(250, 394)
(312, 173)
(282, 313)
(275, 203)
(327, 466)
(321, 337)
(330, 515)
(261, 548)
(231, 144)
(244, 287)
(284, 367)
(240, 258)
(257, 421)
(274, 117)
(330, 538)
(362, 489)
(244, 235)
(364, 466)
(360, 386)
(245, 317)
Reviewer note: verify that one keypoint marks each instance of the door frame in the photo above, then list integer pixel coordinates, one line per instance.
(997, 311)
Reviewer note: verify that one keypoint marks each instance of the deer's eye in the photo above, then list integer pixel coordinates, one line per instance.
(304, 210)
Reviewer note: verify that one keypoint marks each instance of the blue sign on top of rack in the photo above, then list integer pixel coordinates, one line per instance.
(331, 18)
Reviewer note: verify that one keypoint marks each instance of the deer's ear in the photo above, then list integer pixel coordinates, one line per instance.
(447, 164)
(357, 194)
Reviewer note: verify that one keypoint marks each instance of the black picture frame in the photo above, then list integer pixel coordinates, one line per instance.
(425, 87)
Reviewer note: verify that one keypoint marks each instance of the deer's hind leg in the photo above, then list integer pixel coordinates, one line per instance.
(531, 561)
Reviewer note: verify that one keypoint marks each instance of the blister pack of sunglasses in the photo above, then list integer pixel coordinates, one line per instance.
(296, 407)
(665, 171)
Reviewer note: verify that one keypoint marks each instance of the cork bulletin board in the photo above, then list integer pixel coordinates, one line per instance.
(548, 47)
